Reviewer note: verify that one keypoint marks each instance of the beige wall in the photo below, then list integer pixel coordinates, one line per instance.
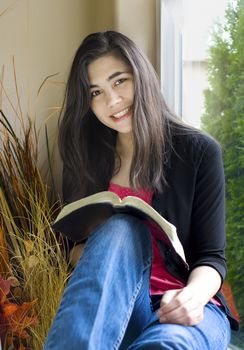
(102, 15)
(43, 36)
(137, 19)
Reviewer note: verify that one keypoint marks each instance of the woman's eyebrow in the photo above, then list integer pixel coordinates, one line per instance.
(114, 75)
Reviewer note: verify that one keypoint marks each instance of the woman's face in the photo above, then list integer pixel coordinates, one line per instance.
(112, 92)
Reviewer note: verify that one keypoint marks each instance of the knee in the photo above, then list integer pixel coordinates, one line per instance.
(129, 229)
(123, 231)
(127, 224)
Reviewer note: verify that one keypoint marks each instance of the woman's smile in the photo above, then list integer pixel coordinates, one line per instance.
(125, 113)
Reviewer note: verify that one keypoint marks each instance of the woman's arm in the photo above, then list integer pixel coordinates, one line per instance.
(186, 305)
(208, 267)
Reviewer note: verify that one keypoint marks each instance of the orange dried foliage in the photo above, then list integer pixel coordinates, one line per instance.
(227, 291)
(14, 319)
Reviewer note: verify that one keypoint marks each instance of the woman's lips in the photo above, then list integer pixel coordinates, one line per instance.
(125, 113)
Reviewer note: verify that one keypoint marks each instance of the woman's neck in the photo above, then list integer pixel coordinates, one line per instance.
(124, 146)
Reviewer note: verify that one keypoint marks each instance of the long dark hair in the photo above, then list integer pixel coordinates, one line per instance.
(87, 147)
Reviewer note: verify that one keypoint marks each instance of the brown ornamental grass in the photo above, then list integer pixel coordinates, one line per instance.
(33, 265)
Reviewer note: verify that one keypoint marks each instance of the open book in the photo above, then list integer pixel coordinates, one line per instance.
(78, 218)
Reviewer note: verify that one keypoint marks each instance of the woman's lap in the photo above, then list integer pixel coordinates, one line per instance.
(213, 333)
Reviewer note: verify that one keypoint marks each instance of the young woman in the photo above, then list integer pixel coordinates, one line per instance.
(128, 290)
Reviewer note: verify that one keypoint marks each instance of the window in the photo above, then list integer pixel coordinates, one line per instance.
(185, 34)
(171, 53)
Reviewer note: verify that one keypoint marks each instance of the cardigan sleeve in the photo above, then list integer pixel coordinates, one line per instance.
(208, 240)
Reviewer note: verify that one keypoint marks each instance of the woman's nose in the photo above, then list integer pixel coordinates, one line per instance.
(113, 98)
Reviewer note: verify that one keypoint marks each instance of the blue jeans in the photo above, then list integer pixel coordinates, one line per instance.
(107, 306)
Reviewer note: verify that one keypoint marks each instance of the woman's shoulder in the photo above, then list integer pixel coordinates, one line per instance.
(189, 136)
(193, 144)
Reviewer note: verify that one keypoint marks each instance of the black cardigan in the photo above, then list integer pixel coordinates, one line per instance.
(194, 201)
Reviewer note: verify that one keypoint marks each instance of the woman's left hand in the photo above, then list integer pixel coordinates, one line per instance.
(181, 306)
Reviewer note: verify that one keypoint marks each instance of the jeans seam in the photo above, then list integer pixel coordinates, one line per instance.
(139, 285)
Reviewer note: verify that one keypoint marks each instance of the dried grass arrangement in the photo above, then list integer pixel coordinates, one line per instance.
(33, 266)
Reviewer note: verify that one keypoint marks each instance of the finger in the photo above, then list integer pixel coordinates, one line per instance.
(166, 304)
(174, 300)
(189, 320)
(166, 300)
(168, 297)
(174, 311)
(186, 315)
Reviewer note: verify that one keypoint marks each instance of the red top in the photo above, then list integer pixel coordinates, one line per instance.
(161, 280)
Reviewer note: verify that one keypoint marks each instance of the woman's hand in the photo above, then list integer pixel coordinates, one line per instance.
(181, 306)
(186, 306)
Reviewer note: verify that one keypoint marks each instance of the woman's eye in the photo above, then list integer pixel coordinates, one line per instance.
(95, 93)
(120, 81)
